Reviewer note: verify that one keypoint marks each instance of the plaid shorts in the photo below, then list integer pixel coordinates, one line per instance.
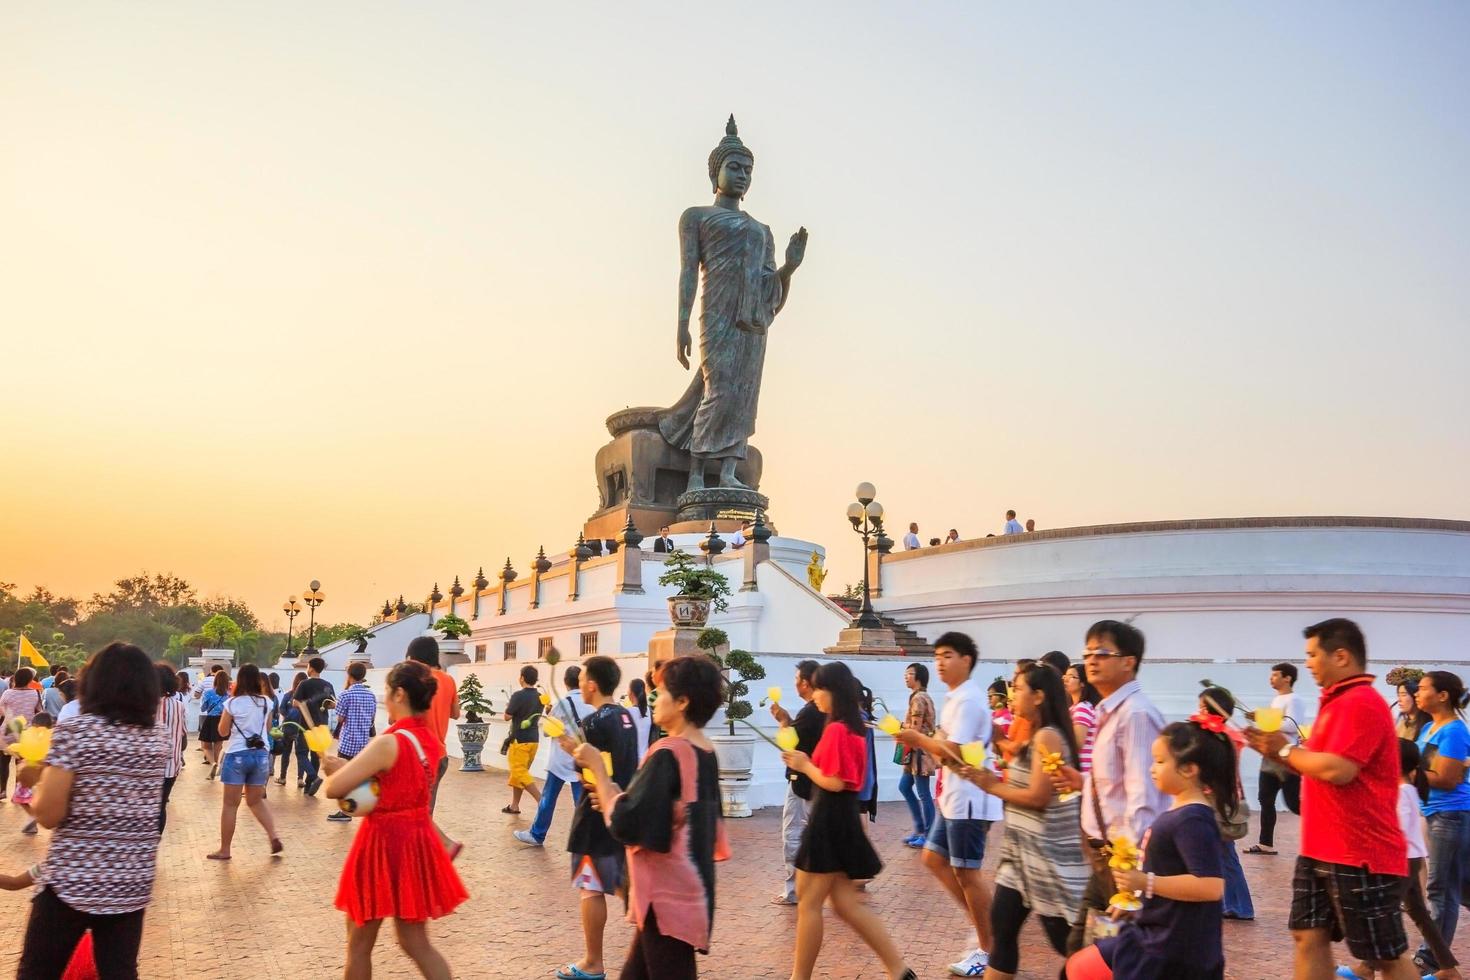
(1354, 904)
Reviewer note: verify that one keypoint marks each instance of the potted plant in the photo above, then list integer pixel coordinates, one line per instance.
(734, 750)
(449, 631)
(700, 590)
(359, 635)
(473, 730)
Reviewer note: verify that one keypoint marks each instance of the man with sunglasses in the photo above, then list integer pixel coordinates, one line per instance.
(1118, 795)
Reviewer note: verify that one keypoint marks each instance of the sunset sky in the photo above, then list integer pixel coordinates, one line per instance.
(345, 291)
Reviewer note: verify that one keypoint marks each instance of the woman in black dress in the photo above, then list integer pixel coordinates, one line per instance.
(835, 851)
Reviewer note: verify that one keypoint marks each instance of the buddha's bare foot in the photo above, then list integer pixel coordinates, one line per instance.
(727, 475)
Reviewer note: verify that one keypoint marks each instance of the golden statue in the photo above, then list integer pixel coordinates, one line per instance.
(815, 573)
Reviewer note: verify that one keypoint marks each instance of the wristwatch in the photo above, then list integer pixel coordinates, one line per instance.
(1284, 752)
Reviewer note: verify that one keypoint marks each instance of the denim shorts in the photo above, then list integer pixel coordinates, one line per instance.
(248, 768)
(960, 840)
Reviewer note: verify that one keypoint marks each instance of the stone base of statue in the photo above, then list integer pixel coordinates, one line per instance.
(641, 476)
(720, 504)
(856, 641)
(677, 641)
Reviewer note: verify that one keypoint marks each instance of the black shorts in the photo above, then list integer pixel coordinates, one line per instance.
(1354, 904)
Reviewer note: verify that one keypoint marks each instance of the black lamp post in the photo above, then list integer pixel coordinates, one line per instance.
(866, 515)
(313, 597)
(292, 609)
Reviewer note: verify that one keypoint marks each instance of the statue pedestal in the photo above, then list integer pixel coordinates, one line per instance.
(863, 642)
(721, 504)
(641, 476)
(670, 643)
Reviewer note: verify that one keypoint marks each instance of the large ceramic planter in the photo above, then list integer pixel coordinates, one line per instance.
(735, 754)
(472, 737)
(688, 611)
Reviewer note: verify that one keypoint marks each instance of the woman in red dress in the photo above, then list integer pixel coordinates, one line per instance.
(397, 866)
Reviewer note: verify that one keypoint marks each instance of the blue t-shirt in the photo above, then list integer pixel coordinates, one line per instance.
(1452, 741)
(211, 704)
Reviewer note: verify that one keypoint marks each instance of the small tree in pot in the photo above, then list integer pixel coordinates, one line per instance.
(452, 627)
(701, 590)
(473, 730)
(741, 668)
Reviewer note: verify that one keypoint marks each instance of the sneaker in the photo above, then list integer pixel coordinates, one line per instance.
(524, 836)
(917, 840)
(972, 965)
(339, 817)
(313, 785)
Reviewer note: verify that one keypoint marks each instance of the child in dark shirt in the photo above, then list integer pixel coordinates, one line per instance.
(598, 864)
(1176, 935)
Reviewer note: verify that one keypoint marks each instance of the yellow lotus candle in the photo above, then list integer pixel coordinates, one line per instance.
(974, 754)
(590, 778)
(1269, 719)
(1306, 731)
(553, 727)
(786, 738)
(33, 745)
(773, 695)
(889, 724)
(1125, 857)
(545, 699)
(319, 740)
(1051, 762)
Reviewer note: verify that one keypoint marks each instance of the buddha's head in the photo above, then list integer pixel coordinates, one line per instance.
(730, 164)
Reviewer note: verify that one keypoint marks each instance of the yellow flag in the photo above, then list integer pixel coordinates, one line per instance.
(32, 654)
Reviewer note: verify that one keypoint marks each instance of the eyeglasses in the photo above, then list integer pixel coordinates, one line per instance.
(1102, 654)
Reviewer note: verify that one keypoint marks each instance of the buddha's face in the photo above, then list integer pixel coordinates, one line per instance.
(733, 178)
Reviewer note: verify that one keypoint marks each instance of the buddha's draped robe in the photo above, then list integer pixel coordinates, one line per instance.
(739, 298)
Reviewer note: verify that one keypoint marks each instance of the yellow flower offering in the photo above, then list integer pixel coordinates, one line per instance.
(553, 727)
(33, 745)
(773, 695)
(889, 724)
(545, 699)
(1052, 762)
(1306, 731)
(590, 778)
(319, 740)
(1269, 719)
(973, 753)
(786, 738)
(1126, 856)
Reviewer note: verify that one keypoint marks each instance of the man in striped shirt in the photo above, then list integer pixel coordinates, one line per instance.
(356, 708)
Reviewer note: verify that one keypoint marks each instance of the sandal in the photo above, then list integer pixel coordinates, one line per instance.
(1259, 849)
(507, 809)
(573, 972)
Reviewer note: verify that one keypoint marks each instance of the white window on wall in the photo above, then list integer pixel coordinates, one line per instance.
(588, 643)
(508, 652)
(543, 646)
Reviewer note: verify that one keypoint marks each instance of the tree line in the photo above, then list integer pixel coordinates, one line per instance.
(162, 613)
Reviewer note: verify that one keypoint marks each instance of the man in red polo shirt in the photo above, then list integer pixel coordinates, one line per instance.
(1350, 877)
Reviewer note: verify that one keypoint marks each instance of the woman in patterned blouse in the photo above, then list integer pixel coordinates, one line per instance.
(99, 790)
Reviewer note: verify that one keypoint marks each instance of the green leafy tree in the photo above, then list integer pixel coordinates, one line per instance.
(234, 608)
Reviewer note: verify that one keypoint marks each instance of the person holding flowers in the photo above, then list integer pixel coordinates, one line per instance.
(397, 868)
(523, 705)
(807, 725)
(599, 866)
(918, 767)
(39, 732)
(956, 845)
(1042, 868)
(669, 820)
(18, 701)
(835, 851)
(1176, 931)
(99, 791)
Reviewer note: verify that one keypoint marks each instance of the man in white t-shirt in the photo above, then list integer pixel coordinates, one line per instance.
(911, 540)
(560, 769)
(956, 845)
(1277, 778)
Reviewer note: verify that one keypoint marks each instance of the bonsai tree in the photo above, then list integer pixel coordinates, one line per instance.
(695, 581)
(452, 627)
(359, 635)
(1403, 675)
(741, 667)
(472, 699)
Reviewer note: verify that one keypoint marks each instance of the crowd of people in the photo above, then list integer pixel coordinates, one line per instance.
(912, 541)
(1119, 827)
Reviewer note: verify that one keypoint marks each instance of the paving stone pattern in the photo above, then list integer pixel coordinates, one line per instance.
(255, 917)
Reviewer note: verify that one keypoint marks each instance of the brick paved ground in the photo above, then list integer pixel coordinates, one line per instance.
(259, 918)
